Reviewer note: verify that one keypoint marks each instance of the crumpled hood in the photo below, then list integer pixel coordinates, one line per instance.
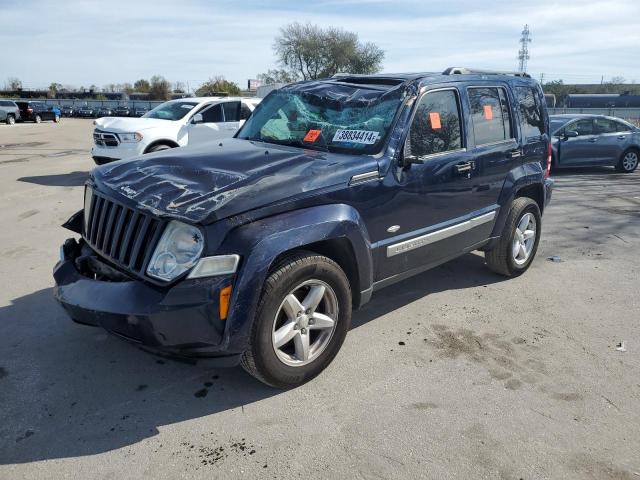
(129, 125)
(213, 181)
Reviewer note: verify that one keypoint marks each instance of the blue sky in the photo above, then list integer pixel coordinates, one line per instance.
(82, 42)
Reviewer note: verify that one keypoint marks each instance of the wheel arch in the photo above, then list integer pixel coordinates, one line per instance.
(335, 231)
(162, 141)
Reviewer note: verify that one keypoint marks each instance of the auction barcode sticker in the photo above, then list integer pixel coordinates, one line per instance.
(365, 137)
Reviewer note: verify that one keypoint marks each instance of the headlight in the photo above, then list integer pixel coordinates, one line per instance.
(130, 137)
(178, 250)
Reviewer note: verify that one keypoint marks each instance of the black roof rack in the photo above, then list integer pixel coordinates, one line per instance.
(475, 71)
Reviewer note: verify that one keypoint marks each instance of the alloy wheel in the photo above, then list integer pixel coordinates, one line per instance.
(524, 239)
(304, 323)
(630, 161)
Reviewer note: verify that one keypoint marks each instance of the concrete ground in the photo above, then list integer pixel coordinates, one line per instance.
(456, 373)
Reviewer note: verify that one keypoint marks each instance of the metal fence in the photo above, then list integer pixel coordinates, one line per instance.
(64, 102)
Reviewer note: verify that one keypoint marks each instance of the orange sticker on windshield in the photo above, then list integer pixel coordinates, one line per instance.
(488, 112)
(434, 118)
(312, 136)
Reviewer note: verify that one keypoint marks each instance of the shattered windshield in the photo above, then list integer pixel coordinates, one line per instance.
(326, 116)
(170, 110)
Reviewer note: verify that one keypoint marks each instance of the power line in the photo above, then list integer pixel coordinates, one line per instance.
(523, 53)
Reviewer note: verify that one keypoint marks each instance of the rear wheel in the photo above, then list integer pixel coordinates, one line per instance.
(628, 161)
(518, 243)
(302, 319)
(38, 119)
(11, 120)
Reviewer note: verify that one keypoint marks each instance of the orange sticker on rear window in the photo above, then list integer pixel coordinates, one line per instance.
(312, 135)
(434, 118)
(488, 112)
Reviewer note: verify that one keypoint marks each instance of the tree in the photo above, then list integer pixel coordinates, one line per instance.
(54, 88)
(13, 84)
(309, 52)
(141, 85)
(179, 87)
(276, 76)
(216, 86)
(159, 88)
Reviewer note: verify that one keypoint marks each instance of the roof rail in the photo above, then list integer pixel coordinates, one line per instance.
(475, 71)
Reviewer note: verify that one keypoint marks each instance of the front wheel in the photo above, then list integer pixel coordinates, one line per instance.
(56, 119)
(301, 321)
(11, 120)
(158, 148)
(518, 243)
(38, 119)
(628, 161)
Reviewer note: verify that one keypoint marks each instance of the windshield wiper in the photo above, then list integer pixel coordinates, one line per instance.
(291, 143)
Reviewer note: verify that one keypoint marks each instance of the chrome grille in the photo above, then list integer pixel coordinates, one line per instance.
(105, 139)
(121, 234)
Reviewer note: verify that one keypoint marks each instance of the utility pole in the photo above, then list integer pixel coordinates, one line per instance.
(523, 53)
(542, 79)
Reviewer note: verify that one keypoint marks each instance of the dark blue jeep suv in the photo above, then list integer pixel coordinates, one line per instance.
(256, 249)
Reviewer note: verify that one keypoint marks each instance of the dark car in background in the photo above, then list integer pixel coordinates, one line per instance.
(86, 112)
(104, 112)
(35, 111)
(139, 111)
(583, 140)
(121, 111)
(68, 111)
(9, 112)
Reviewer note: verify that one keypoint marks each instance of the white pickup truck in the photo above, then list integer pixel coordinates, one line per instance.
(172, 124)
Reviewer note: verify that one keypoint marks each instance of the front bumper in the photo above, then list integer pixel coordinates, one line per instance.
(102, 154)
(181, 320)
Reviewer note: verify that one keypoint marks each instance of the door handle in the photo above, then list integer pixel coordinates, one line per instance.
(516, 153)
(593, 140)
(464, 168)
(621, 137)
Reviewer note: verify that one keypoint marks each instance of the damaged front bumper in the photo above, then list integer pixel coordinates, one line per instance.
(180, 320)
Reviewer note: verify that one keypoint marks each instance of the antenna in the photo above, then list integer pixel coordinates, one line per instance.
(523, 53)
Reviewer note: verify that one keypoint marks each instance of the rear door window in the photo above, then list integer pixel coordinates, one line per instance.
(489, 115)
(436, 125)
(530, 113)
(605, 125)
(245, 112)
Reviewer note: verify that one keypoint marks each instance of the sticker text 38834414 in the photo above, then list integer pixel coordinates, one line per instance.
(365, 137)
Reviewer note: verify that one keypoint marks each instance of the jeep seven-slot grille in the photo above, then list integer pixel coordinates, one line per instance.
(120, 234)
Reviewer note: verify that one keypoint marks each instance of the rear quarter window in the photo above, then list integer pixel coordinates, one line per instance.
(530, 110)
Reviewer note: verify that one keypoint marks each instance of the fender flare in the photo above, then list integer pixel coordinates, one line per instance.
(261, 242)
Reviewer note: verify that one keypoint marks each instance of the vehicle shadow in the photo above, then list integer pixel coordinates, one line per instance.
(73, 179)
(463, 272)
(67, 390)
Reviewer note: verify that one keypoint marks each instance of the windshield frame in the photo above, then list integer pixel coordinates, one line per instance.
(325, 145)
(193, 104)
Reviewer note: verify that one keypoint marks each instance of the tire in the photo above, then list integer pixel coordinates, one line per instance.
(503, 258)
(628, 161)
(56, 119)
(37, 119)
(298, 275)
(10, 120)
(159, 148)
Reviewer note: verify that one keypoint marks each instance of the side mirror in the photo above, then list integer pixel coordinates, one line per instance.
(197, 118)
(407, 157)
(570, 134)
